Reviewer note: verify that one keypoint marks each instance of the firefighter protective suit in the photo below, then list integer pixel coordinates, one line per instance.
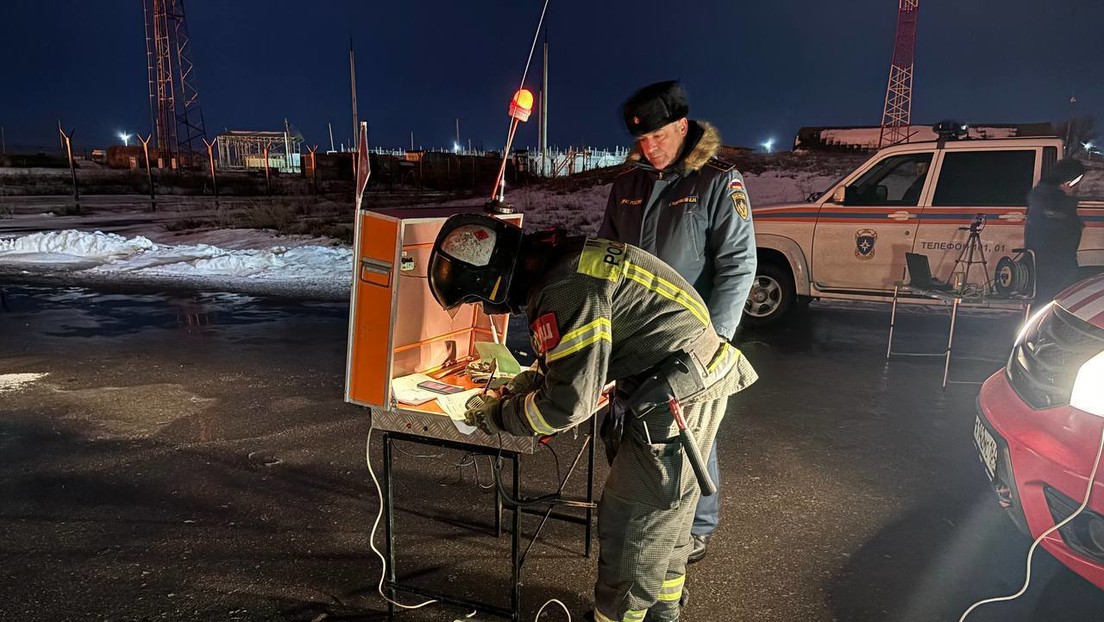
(604, 311)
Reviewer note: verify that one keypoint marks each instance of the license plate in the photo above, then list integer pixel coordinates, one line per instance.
(987, 448)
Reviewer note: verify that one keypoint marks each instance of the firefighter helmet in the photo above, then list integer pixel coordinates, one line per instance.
(473, 261)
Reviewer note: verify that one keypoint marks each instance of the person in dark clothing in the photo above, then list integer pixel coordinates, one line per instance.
(1053, 229)
(677, 200)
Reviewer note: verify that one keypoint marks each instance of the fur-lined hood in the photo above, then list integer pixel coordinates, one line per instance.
(708, 143)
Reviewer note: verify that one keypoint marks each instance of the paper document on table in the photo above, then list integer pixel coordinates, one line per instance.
(454, 405)
(406, 389)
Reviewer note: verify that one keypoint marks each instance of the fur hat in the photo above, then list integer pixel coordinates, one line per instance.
(1063, 171)
(654, 106)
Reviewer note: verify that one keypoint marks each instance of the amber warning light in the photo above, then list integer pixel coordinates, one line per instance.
(521, 106)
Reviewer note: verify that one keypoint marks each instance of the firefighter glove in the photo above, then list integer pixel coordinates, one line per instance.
(525, 382)
(486, 416)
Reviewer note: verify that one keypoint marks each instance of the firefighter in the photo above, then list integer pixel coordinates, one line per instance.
(601, 310)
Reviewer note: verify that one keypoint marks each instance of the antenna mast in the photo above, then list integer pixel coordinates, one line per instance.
(175, 116)
(896, 115)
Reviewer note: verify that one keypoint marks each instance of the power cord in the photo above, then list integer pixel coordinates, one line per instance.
(1042, 536)
(375, 525)
(549, 602)
(383, 560)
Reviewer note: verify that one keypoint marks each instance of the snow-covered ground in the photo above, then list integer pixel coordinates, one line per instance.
(257, 262)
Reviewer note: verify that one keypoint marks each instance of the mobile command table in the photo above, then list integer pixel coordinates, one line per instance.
(954, 300)
(396, 328)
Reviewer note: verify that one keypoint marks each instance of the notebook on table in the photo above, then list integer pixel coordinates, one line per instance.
(920, 275)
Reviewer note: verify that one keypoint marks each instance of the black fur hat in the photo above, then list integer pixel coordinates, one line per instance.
(654, 106)
(1064, 170)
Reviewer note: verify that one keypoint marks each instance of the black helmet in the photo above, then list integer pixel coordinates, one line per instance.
(473, 260)
(1064, 171)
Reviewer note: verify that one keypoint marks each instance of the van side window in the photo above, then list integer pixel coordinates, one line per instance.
(985, 178)
(896, 180)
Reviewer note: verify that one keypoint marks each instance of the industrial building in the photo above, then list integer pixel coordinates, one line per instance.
(240, 150)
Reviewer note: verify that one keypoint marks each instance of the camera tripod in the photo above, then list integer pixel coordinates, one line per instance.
(972, 253)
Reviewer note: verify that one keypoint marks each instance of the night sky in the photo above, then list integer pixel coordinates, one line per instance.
(755, 69)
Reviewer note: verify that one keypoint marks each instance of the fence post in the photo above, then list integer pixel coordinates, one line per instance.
(149, 170)
(211, 159)
(67, 140)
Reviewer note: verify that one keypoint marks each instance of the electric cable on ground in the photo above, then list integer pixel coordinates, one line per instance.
(1042, 536)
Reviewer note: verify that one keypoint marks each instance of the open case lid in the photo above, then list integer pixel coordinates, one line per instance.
(396, 328)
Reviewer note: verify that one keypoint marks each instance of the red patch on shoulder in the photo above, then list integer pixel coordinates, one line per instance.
(546, 334)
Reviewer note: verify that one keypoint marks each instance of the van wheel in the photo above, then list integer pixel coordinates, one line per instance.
(772, 295)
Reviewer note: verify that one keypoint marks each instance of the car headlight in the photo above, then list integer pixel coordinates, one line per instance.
(1088, 387)
(1032, 322)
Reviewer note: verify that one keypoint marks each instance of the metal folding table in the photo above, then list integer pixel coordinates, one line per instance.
(955, 300)
(437, 431)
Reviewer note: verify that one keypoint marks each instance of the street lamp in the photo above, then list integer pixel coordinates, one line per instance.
(125, 138)
(767, 145)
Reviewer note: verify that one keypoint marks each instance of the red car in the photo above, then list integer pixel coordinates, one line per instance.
(1040, 422)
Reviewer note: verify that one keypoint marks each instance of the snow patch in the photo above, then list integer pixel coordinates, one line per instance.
(14, 382)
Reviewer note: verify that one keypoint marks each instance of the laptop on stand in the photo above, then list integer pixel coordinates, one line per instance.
(920, 276)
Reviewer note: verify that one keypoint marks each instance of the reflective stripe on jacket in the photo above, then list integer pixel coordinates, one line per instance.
(605, 311)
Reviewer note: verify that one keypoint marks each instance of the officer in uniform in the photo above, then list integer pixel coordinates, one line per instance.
(601, 310)
(678, 201)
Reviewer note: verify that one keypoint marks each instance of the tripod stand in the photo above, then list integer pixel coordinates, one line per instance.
(966, 259)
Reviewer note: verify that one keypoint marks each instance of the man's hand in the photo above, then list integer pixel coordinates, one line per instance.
(487, 416)
(525, 382)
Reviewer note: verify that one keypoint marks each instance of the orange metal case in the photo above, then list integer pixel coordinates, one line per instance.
(396, 328)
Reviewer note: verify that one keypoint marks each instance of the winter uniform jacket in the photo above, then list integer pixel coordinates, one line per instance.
(1053, 231)
(695, 215)
(605, 311)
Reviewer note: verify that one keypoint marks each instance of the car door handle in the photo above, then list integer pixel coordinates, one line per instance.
(1012, 217)
(900, 215)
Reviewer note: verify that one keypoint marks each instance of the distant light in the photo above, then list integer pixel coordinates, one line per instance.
(767, 145)
(455, 147)
(1089, 146)
(125, 138)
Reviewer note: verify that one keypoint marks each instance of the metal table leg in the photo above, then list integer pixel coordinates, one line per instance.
(892, 320)
(590, 484)
(950, 340)
(515, 542)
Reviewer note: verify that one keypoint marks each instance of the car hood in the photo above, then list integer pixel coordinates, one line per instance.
(1085, 299)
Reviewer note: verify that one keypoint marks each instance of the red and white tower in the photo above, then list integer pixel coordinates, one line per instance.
(175, 116)
(898, 101)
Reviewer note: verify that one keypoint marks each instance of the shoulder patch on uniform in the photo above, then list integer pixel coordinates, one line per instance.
(739, 197)
(602, 259)
(546, 333)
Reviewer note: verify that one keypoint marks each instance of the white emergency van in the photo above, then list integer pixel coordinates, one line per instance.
(849, 242)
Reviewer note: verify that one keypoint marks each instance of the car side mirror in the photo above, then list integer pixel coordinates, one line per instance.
(813, 196)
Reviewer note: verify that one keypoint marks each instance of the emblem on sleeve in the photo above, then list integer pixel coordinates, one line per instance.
(740, 202)
(545, 333)
(865, 239)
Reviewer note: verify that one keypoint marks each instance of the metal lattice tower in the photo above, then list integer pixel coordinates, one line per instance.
(176, 119)
(896, 115)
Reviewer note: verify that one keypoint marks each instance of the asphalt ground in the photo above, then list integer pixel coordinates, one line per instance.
(190, 457)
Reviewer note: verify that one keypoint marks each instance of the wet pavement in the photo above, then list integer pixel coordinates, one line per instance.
(190, 457)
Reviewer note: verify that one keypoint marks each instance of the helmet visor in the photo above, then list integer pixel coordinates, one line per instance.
(454, 284)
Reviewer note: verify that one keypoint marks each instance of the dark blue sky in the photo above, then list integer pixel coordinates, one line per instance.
(754, 69)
